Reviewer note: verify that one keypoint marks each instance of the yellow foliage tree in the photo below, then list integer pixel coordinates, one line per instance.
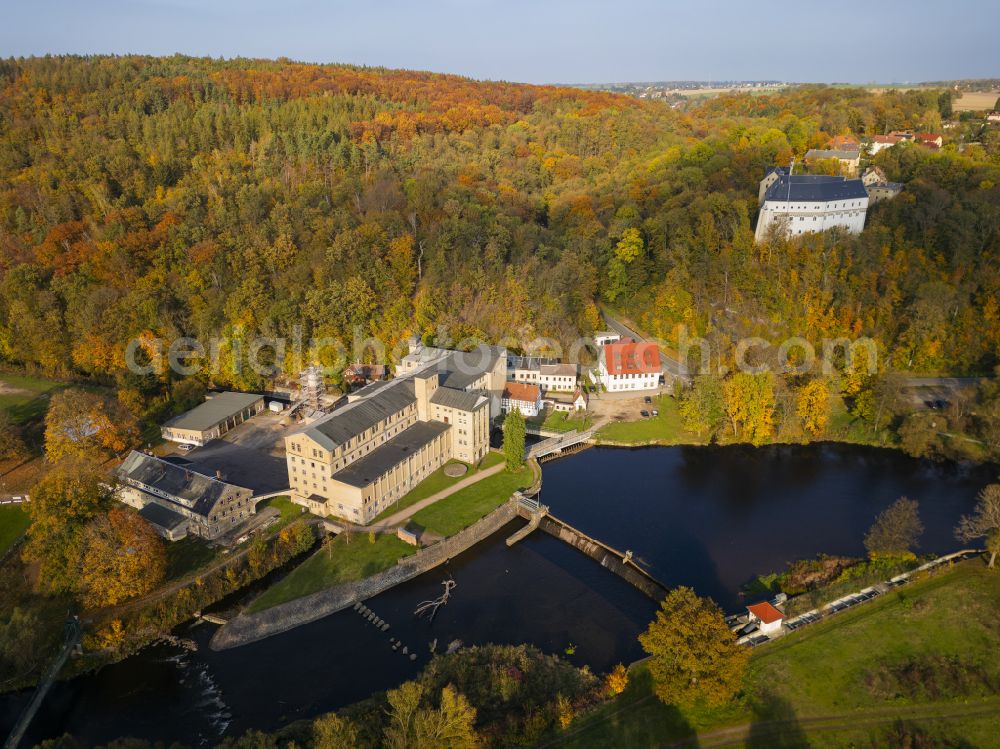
(87, 425)
(694, 657)
(750, 405)
(617, 680)
(813, 406)
(122, 558)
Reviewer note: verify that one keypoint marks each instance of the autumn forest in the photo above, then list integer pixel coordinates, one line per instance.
(183, 196)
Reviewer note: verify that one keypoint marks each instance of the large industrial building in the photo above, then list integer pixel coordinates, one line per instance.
(356, 461)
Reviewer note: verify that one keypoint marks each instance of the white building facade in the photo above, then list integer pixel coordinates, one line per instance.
(799, 204)
(626, 365)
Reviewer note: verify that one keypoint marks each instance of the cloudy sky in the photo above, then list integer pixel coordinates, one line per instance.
(545, 41)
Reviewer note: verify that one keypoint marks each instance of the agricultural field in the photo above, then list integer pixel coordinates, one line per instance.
(975, 101)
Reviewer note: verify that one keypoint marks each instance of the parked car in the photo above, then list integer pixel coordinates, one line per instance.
(644, 414)
(185, 447)
(655, 412)
(647, 399)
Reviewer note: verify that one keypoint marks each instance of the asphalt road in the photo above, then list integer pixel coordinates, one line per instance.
(670, 366)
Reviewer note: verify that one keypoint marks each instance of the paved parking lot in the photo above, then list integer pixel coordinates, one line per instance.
(251, 455)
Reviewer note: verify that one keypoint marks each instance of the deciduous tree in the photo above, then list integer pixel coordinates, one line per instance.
(702, 406)
(896, 529)
(694, 657)
(123, 557)
(87, 425)
(984, 522)
(750, 405)
(66, 498)
(813, 406)
(333, 732)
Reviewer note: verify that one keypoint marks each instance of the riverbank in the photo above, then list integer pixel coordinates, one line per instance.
(256, 625)
(923, 657)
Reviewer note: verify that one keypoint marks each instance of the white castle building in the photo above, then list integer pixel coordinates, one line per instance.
(800, 203)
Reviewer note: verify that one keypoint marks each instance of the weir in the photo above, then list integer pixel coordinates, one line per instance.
(618, 562)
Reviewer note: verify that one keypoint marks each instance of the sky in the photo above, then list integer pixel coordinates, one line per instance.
(541, 41)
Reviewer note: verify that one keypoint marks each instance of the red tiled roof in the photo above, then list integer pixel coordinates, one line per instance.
(886, 139)
(765, 612)
(521, 391)
(631, 358)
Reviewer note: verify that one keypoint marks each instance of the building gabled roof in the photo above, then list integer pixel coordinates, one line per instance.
(460, 399)
(814, 188)
(765, 612)
(628, 357)
(364, 471)
(218, 408)
(181, 484)
(521, 391)
(349, 421)
(558, 370)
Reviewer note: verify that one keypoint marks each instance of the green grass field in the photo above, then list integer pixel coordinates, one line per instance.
(664, 429)
(20, 396)
(338, 562)
(451, 514)
(13, 522)
(925, 655)
(288, 509)
(438, 481)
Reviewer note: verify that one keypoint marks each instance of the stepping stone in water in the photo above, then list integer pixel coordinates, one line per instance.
(405, 650)
(413, 656)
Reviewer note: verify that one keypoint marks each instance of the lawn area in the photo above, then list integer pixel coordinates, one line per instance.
(19, 396)
(560, 421)
(926, 653)
(437, 481)
(664, 429)
(288, 509)
(451, 514)
(337, 562)
(13, 522)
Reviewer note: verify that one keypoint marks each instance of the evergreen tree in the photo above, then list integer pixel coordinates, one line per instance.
(513, 439)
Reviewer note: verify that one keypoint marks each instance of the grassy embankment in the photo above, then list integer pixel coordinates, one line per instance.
(340, 562)
(925, 655)
(437, 482)
(560, 421)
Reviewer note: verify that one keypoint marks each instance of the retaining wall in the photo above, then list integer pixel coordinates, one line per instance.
(247, 628)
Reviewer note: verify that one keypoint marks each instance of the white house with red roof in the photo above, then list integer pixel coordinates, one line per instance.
(627, 365)
(767, 617)
(525, 397)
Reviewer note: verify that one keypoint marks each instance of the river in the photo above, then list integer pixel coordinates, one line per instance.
(708, 517)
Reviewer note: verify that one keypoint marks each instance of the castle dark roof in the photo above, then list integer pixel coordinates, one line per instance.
(814, 188)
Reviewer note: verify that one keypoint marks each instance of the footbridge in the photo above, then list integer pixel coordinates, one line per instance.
(621, 563)
(558, 444)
